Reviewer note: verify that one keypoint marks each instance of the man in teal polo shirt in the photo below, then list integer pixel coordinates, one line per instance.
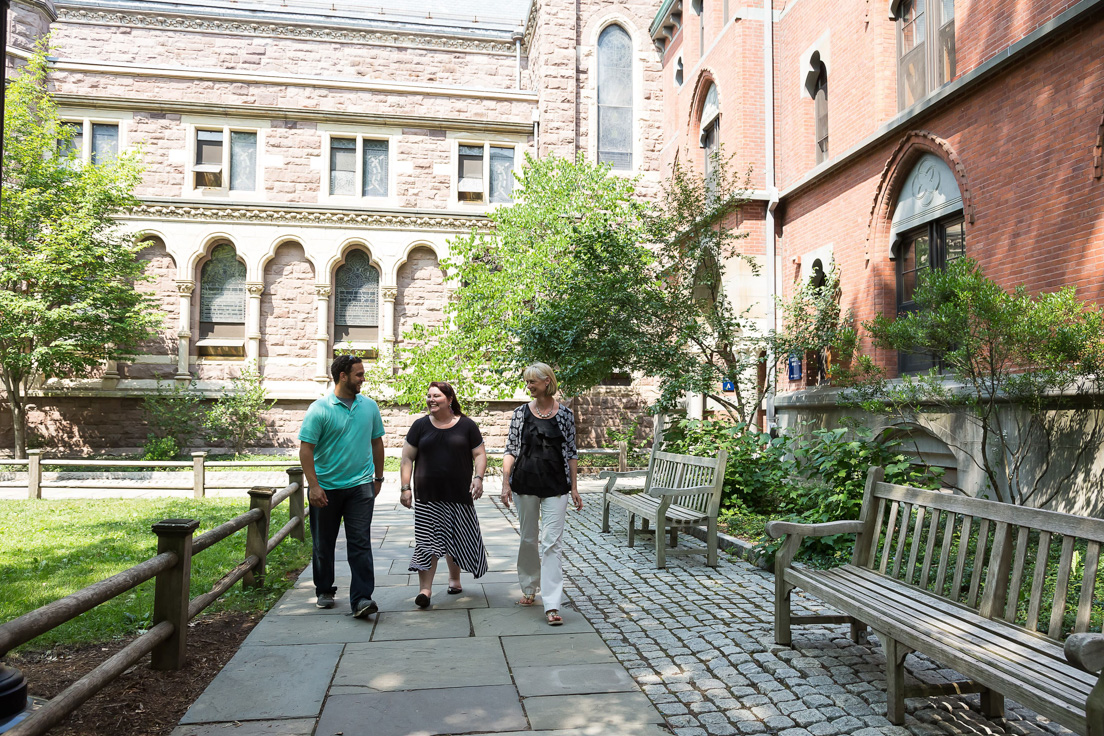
(341, 473)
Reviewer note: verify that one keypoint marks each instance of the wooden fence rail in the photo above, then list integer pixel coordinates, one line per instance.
(171, 568)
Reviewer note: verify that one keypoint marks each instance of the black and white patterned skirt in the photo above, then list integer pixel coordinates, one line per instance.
(448, 529)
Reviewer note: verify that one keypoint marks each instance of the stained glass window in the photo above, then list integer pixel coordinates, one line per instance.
(502, 174)
(243, 161)
(615, 92)
(222, 287)
(357, 292)
(105, 142)
(375, 168)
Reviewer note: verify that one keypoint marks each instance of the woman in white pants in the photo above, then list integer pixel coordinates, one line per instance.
(539, 465)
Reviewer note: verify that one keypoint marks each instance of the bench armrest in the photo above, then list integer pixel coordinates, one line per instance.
(1086, 651)
(627, 474)
(776, 529)
(662, 492)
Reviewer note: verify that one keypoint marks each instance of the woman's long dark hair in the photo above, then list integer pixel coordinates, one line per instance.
(450, 394)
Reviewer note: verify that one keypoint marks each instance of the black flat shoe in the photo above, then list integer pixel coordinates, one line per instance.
(455, 591)
(421, 600)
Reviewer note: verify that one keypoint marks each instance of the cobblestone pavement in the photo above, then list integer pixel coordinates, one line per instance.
(700, 643)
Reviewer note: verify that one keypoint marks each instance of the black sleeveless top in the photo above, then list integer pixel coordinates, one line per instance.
(538, 470)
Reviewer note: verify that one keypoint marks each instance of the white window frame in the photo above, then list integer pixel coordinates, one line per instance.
(86, 122)
(486, 146)
(359, 198)
(224, 191)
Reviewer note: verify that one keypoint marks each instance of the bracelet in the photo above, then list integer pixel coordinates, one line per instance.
(480, 477)
(379, 479)
(405, 488)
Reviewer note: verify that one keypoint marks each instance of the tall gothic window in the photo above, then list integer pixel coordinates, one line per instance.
(820, 107)
(356, 300)
(925, 48)
(222, 295)
(710, 138)
(929, 230)
(615, 92)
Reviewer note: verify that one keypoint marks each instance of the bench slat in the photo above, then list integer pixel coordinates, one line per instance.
(1005, 644)
(1088, 584)
(891, 527)
(914, 550)
(1042, 556)
(945, 552)
(901, 535)
(933, 532)
(1016, 586)
(875, 532)
(1055, 522)
(1061, 588)
(960, 557)
(996, 580)
(979, 563)
(686, 460)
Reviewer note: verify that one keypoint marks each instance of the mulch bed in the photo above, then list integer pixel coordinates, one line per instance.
(141, 702)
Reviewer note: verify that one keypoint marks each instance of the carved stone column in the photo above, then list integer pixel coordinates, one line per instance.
(389, 293)
(322, 332)
(253, 324)
(184, 334)
(110, 379)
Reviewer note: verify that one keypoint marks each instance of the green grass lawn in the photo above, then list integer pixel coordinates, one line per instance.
(49, 549)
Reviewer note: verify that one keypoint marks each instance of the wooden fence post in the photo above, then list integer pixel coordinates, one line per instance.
(34, 473)
(256, 541)
(199, 474)
(622, 456)
(172, 591)
(296, 506)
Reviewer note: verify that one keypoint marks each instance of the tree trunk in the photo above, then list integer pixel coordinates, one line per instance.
(19, 425)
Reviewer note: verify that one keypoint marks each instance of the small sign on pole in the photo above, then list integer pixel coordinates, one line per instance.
(795, 367)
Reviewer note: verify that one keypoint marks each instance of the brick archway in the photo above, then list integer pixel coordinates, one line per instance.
(914, 145)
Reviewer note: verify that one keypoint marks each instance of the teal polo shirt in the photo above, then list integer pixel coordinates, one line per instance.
(342, 439)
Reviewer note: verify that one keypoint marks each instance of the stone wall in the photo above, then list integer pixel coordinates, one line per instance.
(288, 320)
(162, 268)
(422, 293)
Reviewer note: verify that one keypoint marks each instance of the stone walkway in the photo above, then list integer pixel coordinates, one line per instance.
(687, 650)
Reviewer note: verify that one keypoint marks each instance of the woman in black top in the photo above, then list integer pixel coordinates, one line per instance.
(445, 451)
(539, 465)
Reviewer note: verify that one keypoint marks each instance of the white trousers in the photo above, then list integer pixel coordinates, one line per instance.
(541, 570)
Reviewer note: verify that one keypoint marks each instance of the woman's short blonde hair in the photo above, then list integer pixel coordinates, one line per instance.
(542, 371)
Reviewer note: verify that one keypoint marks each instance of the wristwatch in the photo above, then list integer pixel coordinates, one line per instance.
(379, 479)
(405, 488)
(480, 477)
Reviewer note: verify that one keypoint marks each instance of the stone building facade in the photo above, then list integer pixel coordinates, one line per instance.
(893, 135)
(306, 165)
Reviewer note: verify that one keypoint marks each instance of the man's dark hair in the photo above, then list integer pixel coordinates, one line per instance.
(343, 364)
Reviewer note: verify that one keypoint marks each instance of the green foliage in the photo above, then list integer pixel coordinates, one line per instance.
(758, 465)
(160, 448)
(67, 271)
(175, 412)
(1025, 368)
(626, 434)
(235, 417)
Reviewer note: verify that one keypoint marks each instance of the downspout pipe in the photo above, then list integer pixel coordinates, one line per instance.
(517, 38)
(772, 193)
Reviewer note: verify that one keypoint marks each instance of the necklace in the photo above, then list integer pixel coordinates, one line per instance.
(544, 415)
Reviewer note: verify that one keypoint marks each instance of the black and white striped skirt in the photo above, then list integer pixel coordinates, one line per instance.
(448, 529)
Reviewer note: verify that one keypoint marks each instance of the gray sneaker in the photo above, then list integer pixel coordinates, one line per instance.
(325, 600)
(365, 607)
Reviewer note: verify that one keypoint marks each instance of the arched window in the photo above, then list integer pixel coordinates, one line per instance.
(679, 75)
(615, 93)
(222, 298)
(356, 300)
(710, 130)
(929, 232)
(820, 107)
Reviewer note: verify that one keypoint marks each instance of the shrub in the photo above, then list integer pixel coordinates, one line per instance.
(159, 448)
(175, 412)
(235, 417)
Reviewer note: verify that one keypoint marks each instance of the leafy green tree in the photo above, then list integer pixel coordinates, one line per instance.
(541, 285)
(68, 273)
(1025, 369)
(235, 417)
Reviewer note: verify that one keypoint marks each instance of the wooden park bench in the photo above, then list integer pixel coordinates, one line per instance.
(986, 588)
(680, 491)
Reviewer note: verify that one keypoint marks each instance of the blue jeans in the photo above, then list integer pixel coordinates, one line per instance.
(355, 505)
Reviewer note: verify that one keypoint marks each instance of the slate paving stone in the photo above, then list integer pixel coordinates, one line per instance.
(520, 621)
(402, 599)
(293, 630)
(426, 665)
(287, 727)
(454, 710)
(295, 680)
(572, 679)
(556, 649)
(417, 625)
(627, 711)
